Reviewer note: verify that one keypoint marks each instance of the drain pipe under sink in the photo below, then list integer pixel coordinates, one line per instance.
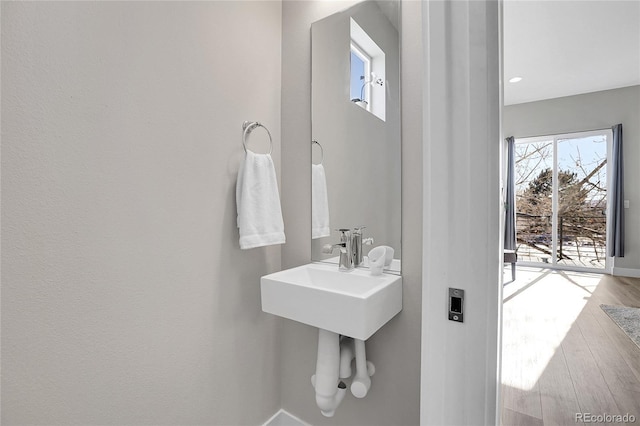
(347, 353)
(334, 363)
(330, 390)
(364, 369)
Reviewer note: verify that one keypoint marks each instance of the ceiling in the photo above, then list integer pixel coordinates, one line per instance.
(568, 47)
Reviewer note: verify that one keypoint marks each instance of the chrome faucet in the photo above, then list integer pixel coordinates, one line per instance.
(357, 242)
(346, 249)
(350, 247)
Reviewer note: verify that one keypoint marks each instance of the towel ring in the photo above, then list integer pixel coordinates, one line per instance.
(321, 151)
(248, 127)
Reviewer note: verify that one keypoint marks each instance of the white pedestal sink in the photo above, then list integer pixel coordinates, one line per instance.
(354, 304)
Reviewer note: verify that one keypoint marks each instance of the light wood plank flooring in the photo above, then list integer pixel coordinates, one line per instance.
(561, 353)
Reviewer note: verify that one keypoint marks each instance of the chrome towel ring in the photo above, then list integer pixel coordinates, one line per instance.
(321, 150)
(248, 127)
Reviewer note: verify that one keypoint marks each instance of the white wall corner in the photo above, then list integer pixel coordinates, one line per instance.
(461, 205)
(284, 418)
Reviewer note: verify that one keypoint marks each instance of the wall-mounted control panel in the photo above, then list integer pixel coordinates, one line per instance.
(456, 304)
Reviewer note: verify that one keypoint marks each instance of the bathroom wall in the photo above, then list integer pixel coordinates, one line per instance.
(125, 296)
(462, 210)
(394, 398)
(597, 110)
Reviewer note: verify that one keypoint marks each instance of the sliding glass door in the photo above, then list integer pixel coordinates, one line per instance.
(534, 202)
(561, 199)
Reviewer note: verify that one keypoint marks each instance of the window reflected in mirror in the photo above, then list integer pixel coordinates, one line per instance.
(367, 72)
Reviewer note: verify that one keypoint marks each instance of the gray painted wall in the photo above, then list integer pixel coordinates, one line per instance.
(125, 296)
(591, 111)
(394, 398)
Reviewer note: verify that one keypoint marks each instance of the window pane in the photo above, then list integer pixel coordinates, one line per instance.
(534, 207)
(357, 76)
(582, 201)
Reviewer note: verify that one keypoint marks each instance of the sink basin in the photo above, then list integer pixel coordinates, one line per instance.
(354, 304)
(393, 268)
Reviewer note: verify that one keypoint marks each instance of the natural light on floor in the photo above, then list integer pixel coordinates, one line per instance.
(540, 307)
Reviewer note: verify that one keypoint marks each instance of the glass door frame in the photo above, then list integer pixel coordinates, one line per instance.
(608, 133)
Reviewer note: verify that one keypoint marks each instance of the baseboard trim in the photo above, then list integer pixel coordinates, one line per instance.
(284, 418)
(626, 272)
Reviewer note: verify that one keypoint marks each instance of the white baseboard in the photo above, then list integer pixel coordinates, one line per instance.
(626, 272)
(283, 418)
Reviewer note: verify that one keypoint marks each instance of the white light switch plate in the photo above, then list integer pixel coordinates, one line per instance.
(626, 204)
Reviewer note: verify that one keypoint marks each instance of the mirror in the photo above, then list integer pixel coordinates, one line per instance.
(355, 114)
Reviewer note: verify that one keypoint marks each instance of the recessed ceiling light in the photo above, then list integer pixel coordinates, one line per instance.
(515, 79)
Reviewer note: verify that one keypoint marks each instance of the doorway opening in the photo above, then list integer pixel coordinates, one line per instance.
(561, 200)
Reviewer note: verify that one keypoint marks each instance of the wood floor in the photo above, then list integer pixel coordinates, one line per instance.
(562, 354)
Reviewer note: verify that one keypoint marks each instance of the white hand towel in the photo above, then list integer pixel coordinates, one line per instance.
(319, 203)
(258, 201)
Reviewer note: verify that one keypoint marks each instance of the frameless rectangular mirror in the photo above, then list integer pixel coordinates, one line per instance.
(355, 109)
